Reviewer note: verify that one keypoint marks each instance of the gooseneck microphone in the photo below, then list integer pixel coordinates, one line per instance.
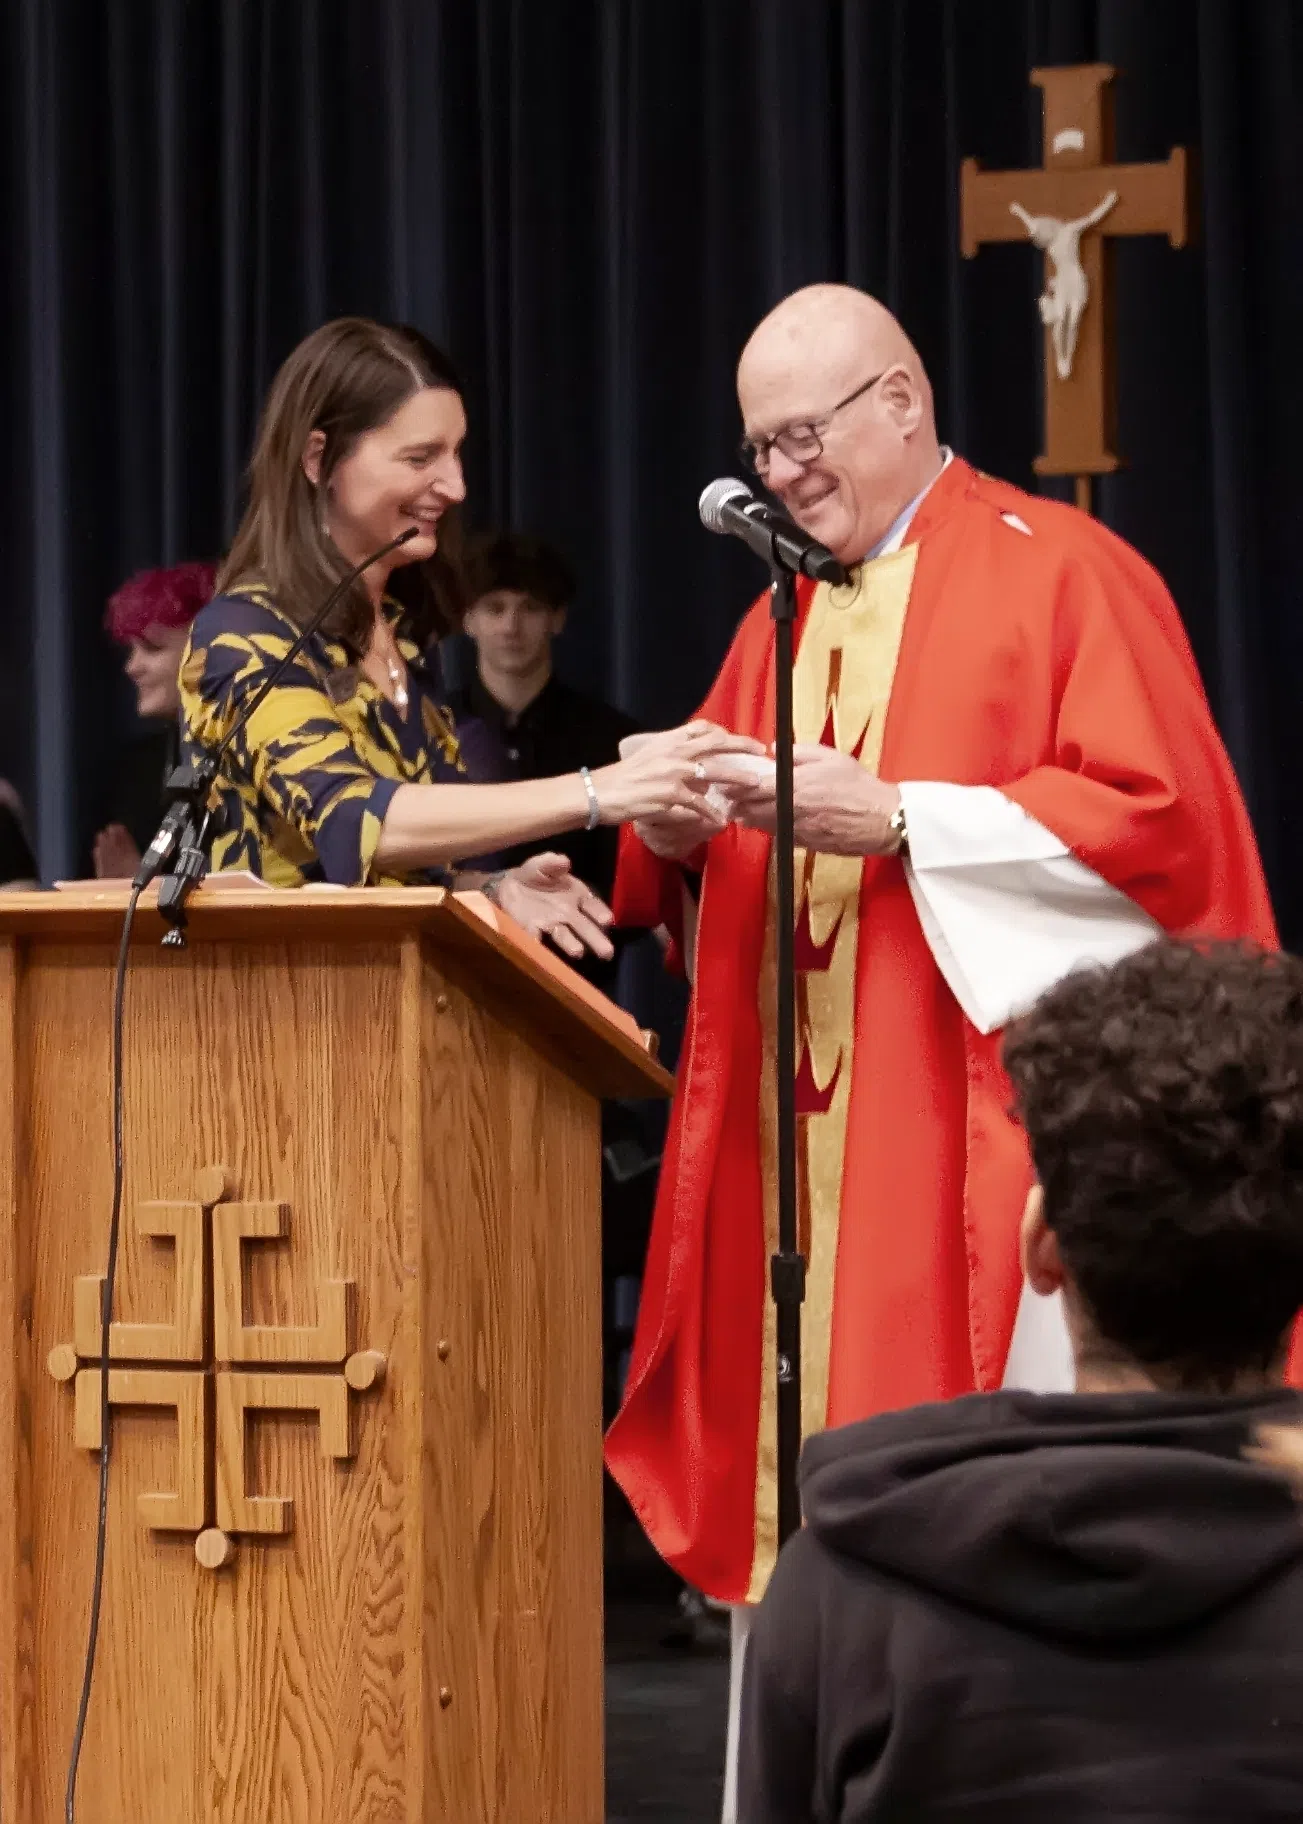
(189, 785)
(729, 506)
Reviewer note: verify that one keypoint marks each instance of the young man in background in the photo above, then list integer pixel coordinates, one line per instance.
(519, 591)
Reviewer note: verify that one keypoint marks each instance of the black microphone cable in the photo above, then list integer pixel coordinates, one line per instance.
(106, 1311)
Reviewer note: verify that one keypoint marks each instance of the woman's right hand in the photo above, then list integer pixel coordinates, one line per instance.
(662, 783)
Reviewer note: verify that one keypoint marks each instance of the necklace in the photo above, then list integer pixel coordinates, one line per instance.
(398, 679)
(391, 658)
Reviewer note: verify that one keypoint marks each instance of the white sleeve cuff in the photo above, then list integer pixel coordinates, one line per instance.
(1006, 908)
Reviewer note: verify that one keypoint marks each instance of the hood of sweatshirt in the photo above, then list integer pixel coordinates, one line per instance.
(1088, 1518)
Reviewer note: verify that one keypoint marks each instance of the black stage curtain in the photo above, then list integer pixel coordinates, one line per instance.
(590, 202)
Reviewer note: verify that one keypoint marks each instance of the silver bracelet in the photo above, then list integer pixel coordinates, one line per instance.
(594, 808)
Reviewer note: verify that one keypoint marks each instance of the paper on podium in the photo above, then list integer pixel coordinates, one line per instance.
(220, 881)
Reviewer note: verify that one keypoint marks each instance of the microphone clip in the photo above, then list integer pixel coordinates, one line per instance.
(188, 871)
(191, 818)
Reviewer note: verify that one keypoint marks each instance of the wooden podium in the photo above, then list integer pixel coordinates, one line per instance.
(354, 1552)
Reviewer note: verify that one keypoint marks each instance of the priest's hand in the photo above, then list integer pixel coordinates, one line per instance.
(547, 899)
(839, 807)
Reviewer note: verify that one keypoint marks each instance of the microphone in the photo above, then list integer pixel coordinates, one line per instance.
(729, 506)
(188, 786)
(165, 840)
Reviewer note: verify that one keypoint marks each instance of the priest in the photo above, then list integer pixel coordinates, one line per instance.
(1005, 766)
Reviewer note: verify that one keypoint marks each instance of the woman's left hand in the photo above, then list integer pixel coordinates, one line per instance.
(546, 898)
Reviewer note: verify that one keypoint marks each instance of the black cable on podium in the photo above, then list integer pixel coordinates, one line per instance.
(106, 1306)
(181, 840)
(729, 506)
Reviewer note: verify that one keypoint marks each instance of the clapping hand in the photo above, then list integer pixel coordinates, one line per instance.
(115, 855)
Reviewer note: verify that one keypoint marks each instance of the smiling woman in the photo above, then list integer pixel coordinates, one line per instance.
(149, 616)
(351, 770)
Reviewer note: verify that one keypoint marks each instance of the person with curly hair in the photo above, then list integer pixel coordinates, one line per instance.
(1023, 1606)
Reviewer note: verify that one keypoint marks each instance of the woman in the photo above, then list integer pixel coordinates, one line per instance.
(351, 771)
(150, 616)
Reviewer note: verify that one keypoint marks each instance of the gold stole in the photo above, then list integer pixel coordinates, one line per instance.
(840, 691)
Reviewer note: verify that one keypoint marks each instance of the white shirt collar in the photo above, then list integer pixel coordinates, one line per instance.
(894, 537)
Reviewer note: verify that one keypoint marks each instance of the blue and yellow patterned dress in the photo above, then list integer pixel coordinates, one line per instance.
(306, 785)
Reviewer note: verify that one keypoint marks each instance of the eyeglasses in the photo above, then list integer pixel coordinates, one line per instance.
(800, 442)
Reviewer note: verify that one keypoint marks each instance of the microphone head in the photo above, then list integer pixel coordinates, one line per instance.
(717, 494)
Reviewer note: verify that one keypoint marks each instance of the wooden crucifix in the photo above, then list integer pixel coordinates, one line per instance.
(1070, 209)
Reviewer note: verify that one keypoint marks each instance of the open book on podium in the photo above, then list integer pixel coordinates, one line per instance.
(354, 1568)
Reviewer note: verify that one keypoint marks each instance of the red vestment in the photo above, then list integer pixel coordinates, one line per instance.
(1054, 667)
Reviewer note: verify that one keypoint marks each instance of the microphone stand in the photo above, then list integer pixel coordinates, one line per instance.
(191, 816)
(728, 506)
(786, 1267)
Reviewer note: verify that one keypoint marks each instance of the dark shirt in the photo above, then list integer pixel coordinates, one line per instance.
(560, 731)
(1033, 1609)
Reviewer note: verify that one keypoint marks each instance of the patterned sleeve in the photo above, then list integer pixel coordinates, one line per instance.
(296, 749)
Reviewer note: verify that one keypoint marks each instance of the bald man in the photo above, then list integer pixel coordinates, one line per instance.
(1005, 766)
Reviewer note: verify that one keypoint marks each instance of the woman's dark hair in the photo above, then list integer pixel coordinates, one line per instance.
(345, 379)
(516, 561)
(1163, 1100)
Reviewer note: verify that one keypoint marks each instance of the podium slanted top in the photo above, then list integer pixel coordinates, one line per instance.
(599, 1044)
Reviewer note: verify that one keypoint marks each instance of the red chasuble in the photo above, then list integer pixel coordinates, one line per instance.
(1012, 642)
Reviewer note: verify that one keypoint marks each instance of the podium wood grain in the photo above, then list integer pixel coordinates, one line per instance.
(425, 1643)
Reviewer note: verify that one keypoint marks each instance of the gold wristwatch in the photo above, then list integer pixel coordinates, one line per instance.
(900, 835)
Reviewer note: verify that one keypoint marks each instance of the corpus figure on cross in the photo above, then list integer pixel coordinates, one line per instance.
(1066, 290)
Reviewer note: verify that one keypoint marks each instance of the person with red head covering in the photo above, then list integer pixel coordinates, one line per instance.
(150, 616)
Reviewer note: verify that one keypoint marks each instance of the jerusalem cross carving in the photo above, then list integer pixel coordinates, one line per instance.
(214, 1386)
